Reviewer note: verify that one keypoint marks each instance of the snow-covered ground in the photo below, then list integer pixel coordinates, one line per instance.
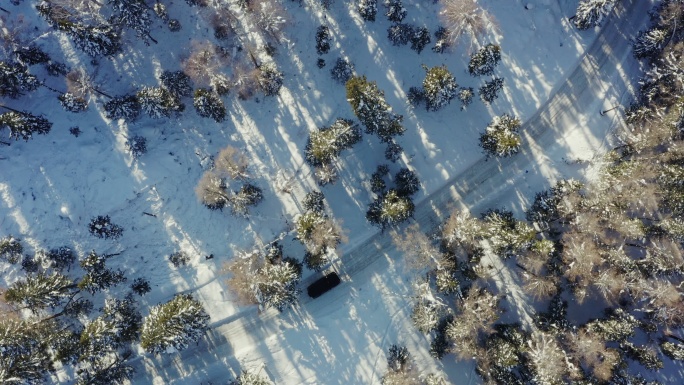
(53, 185)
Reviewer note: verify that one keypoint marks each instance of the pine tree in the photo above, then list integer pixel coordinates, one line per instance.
(440, 87)
(137, 145)
(249, 195)
(125, 107)
(393, 151)
(15, 80)
(174, 325)
(40, 291)
(465, 95)
(101, 40)
(490, 91)
(390, 209)
(649, 44)
(102, 227)
(326, 143)
(24, 354)
(368, 9)
(98, 339)
(249, 378)
(23, 124)
(369, 105)
(314, 201)
(407, 182)
(72, 103)
(133, 14)
(591, 13)
(506, 235)
(419, 39)
(396, 12)
(57, 259)
(322, 40)
(124, 315)
(400, 33)
(109, 370)
(270, 80)
(177, 82)
(98, 276)
(209, 105)
(501, 137)
(158, 102)
(443, 41)
(276, 285)
(31, 55)
(483, 61)
(10, 249)
(342, 71)
(377, 181)
(141, 286)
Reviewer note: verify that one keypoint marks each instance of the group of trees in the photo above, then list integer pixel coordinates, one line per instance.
(326, 143)
(318, 231)
(392, 206)
(401, 370)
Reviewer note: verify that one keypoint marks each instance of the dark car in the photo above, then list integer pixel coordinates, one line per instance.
(324, 284)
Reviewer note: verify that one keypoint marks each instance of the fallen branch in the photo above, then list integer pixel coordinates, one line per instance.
(146, 213)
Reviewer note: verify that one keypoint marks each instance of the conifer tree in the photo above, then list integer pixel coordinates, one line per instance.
(133, 14)
(40, 291)
(483, 61)
(368, 9)
(209, 105)
(15, 80)
(440, 87)
(390, 209)
(72, 103)
(396, 12)
(250, 378)
(270, 79)
(490, 91)
(501, 137)
(22, 124)
(326, 143)
(369, 105)
(158, 102)
(100, 40)
(24, 352)
(98, 276)
(172, 326)
(10, 249)
(591, 13)
(177, 82)
(125, 107)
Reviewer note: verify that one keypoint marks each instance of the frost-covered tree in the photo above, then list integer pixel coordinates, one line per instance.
(177, 82)
(125, 107)
(97, 275)
(209, 105)
(24, 352)
(396, 12)
(314, 201)
(477, 313)
(133, 14)
(400, 33)
(158, 102)
(484, 60)
(367, 9)
(40, 291)
(100, 40)
(212, 191)
(30, 55)
(247, 196)
(407, 182)
(400, 368)
(179, 258)
(506, 235)
(465, 95)
(270, 79)
(23, 124)
(369, 105)
(390, 209)
(102, 227)
(420, 38)
(250, 378)
(490, 91)
(322, 40)
(172, 326)
(463, 17)
(326, 143)
(72, 103)
(342, 71)
(591, 13)
(15, 80)
(675, 351)
(440, 87)
(137, 145)
(649, 44)
(501, 137)
(320, 234)
(10, 249)
(98, 339)
(232, 162)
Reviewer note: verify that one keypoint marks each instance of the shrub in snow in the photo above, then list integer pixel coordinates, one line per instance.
(209, 105)
(396, 12)
(439, 87)
(200, 3)
(326, 143)
(369, 105)
(98, 276)
(442, 42)
(58, 259)
(490, 91)
(29, 265)
(591, 13)
(644, 355)
(398, 359)
(465, 95)
(322, 40)
(158, 102)
(484, 60)
(420, 38)
(320, 63)
(368, 9)
(22, 124)
(439, 346)
(137, 145)
(649, 44)
(141, 286)
(377, 181)
(393, 151)
(400, 33)
(14, 79)
(675, 351)
(270, 79)
(174, 25)
(177, 82)
(179, 258)
(10, 249)
(133, 14)
(342, 71)
(249, 378)
(501, 137)
(72, 103)
(31, 55)
(313, 201)
(102, 227)
(407, 182)
(390, 209)
(174, 325)
(125, 107)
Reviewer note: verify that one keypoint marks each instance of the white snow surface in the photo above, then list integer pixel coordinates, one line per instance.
(51, 186)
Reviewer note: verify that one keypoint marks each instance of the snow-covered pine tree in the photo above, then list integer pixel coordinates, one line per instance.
(158, 102)
(591, 13)
(98, 276)
(102, 227)
(15, 79)
(396, 12)
(484, 60)
(137, 145)
(314, 201)
(276, 284)
(172, 326)
(98, 339)
(10, 249)
(442, 40)
(368, 9)
(249, 195)
(125, 107)
(400, 33)
(501, 137)
(72, 103)
(24, 356)
(477, 314)
(111, 370)
(440, 87)
(393, 151)
(326, 143)
(31, 55)
(40, 291)
(649, 44)
(407, 182)
(209, 105)
(368, 103)
(212, 191)
(465, 95)
(420, 38)
(377, 181)
(177, 82)
(100, 40)
(415, 96)
(250, 378)
(133, 14)
(490, 91)
(390, 209)
(23, 124)
(270, 79)
(124, 315)
(322, 40)
(342, 71)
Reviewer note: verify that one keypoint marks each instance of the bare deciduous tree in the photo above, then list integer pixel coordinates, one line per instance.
(204, 64)
(232, 163)
(464, 17)
(420, 251)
